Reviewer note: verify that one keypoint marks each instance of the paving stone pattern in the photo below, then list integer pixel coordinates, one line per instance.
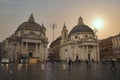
(59, 71)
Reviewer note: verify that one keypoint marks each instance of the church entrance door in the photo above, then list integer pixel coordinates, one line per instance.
(30, 54)
(77, 58)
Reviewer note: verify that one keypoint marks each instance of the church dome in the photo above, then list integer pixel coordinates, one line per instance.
(30, 25)
(81, 27)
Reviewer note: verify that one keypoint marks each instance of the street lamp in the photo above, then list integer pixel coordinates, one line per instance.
(45, 48)
(53, 27)
(95, 31)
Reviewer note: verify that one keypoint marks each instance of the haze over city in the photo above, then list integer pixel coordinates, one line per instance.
(15, 12)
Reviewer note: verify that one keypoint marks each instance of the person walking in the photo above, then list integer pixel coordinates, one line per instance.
(69, 63)
(113, 66)
(88, 63)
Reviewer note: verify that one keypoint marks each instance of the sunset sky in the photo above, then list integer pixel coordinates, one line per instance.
(15, 12)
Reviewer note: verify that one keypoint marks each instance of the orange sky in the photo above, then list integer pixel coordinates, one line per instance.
(15, 12)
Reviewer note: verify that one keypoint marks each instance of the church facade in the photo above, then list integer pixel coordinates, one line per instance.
(80, 44)
(28, 40)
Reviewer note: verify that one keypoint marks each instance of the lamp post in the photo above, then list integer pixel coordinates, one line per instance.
(95, 31)
(53, 27)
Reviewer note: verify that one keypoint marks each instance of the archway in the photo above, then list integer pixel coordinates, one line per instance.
(30, 54)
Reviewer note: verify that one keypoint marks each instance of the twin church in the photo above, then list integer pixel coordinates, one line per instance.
(79, 44)
(30, 39)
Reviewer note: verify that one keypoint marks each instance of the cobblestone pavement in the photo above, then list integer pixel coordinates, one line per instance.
(59, 71)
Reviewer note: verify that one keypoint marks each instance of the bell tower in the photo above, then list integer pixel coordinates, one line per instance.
(64, 34)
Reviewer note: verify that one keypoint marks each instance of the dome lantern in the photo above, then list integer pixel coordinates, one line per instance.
(80, 21)
(31, 18)
(30, 24)
(81, 28)
(64, 27)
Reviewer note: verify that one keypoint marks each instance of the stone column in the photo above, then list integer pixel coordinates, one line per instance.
(87, 53)
(83, 52)
(44, 52)
(66, 54)
(95, 54)
(36, 50)
(98, 53)
(26, 48)
(22, 48)
(40, 52)
(80, 52)
(73, 53)
(87, 49)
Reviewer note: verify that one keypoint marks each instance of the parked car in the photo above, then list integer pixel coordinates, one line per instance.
(23, 60)
(5, 60)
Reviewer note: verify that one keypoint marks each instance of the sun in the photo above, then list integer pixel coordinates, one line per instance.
(98, 23)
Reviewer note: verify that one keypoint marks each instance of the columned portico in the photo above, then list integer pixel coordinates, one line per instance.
(87, 51)
(30, 39)
(34, 48)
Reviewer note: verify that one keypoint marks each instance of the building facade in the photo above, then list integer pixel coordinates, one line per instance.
(54, 50)
(106, 49)
(29, 39)
(116, 45)
(80, 44)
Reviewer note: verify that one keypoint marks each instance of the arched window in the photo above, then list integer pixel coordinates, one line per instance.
(76, 37)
